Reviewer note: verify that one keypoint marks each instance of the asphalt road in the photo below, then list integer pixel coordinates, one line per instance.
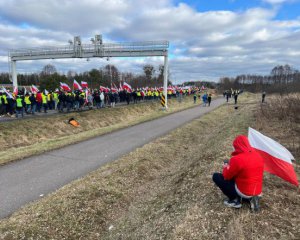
(29, 179)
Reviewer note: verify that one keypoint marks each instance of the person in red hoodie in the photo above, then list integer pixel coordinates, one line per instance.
(242, 176)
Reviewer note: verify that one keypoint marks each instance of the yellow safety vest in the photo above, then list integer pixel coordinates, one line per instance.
(19, 102)
(5, 99)
(44, 99)
(27, 101)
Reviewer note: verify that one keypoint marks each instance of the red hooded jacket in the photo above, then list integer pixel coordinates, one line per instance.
(245, 167)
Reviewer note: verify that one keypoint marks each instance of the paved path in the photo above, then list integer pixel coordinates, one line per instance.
(26, 180)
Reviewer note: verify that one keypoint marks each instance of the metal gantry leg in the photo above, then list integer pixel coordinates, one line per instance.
(166, 79)
(14, 73)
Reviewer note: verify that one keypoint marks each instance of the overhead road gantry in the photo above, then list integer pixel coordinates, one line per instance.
(97, 49)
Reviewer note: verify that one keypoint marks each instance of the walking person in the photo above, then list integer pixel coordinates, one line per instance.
(19, 106)
(45, 102)
(102, 98)
(204, 99)
(209, 99)
(263, 96)
(112, 99)
(27, 103)
(235, 95)
(33, 103)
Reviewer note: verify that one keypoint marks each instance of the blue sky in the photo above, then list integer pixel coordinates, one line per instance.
(287, 11)
(208, 39)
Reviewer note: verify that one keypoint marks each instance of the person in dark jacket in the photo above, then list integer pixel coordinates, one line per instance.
(242, 176)
(209, 99)
(263, 96)
(33, 103)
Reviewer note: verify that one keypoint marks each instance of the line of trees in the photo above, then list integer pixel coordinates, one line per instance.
(49, 78)
(282, 79)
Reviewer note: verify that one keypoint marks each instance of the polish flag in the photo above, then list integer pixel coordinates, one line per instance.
(121, 88)
(127, 87)
(278, 160)
(34, 89)
(84, 84)
(114, 88)
(65, 87)
(15, 92)
(102, 89)
(7, 93)
(76, 85)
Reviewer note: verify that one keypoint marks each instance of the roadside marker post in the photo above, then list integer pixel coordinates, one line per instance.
(163, 101)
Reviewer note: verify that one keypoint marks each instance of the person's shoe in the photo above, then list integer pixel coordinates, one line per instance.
(254, 204)
(233, 203)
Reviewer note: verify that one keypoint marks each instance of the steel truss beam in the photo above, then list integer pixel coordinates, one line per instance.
(95, 50)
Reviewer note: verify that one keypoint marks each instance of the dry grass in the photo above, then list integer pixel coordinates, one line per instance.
(164, 191)
(20, 139)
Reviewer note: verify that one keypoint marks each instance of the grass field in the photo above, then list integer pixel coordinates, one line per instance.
(27, 137)
(164, 191)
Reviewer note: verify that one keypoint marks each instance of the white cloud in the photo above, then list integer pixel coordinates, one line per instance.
(274, 2)
(203, 44)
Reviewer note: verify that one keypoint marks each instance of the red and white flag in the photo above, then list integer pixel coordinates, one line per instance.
(102, 89)
(76, 85)
(114, 88)
(7, 93)
(84, 84)
(277, 159)
(34, 89)
(16, 90)
(121, 88)
(65, 87)
(127, 87)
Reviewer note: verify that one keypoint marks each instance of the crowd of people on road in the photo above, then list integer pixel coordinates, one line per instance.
(31, 102)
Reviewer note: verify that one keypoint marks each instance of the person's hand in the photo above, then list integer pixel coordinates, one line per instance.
(225, 163)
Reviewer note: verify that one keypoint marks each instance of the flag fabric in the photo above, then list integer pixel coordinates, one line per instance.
(127, 87)
(65, 87)
(277, 159)
(114, 88)
(76, 85)
(121, 88)
(84, 84)
(7, 93)
(34, 89)
(46, 92)
(102, 89)
(25, 91)
(15, 91)
(86, 95)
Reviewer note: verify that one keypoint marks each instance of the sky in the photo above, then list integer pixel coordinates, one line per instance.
(208, 39)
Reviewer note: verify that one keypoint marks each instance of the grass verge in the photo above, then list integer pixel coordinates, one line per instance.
(24, 138)
(164, 191)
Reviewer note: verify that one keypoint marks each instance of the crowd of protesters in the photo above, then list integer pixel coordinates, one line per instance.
(232, 93)
(30, 102)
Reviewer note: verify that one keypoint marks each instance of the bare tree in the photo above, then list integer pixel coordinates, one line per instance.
(49, 69)
(149, 71)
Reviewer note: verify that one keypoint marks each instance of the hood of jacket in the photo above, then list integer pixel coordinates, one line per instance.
(241, 145)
